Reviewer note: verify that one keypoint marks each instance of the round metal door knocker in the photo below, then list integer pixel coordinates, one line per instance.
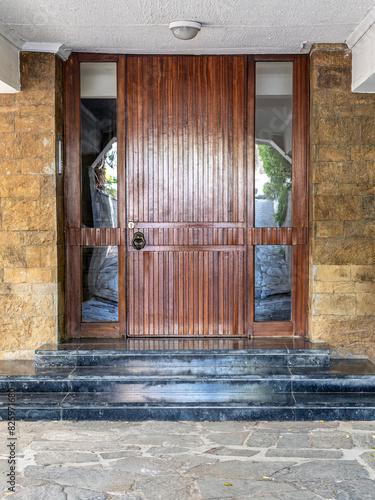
(139, 241)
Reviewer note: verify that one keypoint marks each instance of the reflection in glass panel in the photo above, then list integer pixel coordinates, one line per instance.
(99, 284)
(273, 144)
(98, 145)
(273, 282)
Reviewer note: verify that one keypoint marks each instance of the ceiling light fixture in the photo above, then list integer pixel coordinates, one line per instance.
(185, 30)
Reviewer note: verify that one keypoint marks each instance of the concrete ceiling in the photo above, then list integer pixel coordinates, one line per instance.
(141, 26)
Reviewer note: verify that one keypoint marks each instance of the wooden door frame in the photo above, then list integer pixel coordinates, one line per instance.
(76, 237)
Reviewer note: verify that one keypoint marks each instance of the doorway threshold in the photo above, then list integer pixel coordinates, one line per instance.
(184, 344)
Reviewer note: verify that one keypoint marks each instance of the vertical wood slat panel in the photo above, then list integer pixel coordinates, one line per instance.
(196, 310)
(189, 162)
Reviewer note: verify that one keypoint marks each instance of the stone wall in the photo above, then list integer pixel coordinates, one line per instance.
(342, 208)
(31, 209)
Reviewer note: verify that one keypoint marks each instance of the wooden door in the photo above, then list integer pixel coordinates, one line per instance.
(187, 139)
(186, 192)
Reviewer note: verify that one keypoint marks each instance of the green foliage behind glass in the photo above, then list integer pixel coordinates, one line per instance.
(279, 171)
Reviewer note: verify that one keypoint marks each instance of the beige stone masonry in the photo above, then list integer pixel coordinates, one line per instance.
(31, 231)
(342, 219)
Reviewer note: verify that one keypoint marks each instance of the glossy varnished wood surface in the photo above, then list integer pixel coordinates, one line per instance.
(186, 178)
(186, 191)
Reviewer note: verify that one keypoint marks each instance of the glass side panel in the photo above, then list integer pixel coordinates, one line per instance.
(273, 144)
(99, 284)
(273, 282)
(98, 145)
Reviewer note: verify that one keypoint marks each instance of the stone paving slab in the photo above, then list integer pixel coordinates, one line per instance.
(191, 460)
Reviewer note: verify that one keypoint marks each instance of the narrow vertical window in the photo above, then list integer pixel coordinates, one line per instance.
(273, 144)
(98, 145)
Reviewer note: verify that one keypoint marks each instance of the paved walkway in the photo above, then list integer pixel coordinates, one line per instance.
(189, 460)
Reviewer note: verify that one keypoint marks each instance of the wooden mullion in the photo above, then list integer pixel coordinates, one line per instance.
(103, 330)
(274, 57)
(72, 190)
(72, 174)
(272, 328)
(299, 289)
(300, 141)
(73, 291)
(121, 193)
(90, 57)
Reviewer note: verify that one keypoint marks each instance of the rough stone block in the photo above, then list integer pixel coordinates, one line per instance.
(359, 229)
(7, 145)
(363, 273)
(332, 55)
(11, 256)
(26, 306)
(26, 333)
(28, 214)
(28, 145)
(362, 110)
(332, 152)
(356, 189)
(15, 275)
(326, 189)
(34, 123)
(36, 96)
(348, 334)
(368, 207)
(364, 287)
(41, 256)
(7, 99)
(6, 122)
(10, 166)
(330, 130)
(338, 304)
(38, 166)
(323, 287)
(337, 207)
(19, 186)
(328, 172)
(10, 238)
(364, 152)
(35, 275)
(359, 172)
(333, 77)
(43, 288)
(38, 69)
(343, 251)
(366, 304)
(44, 326)
(368, 130)
(329, 229)
(332, 273)
(38, 238)
(47, 186)
(343, 287)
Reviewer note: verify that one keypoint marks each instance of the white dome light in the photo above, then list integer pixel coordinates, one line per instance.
(185, 30)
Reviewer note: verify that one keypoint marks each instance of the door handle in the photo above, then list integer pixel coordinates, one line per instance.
(139, 240)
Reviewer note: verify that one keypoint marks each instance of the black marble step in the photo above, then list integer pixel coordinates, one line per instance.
(341, 376)
(117, 406)
(207, 359)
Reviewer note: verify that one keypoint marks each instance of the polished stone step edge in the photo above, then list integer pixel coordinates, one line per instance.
(189, 412)
(193, 385)
(260, 357)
